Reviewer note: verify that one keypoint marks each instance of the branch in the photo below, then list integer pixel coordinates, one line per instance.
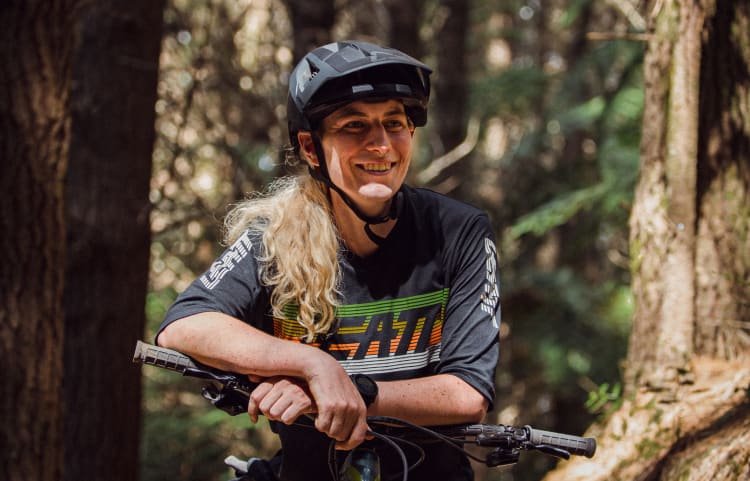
(638, 37)
(463, 149)
(630, 12)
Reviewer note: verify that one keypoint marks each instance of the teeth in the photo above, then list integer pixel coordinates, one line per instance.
(379, 167)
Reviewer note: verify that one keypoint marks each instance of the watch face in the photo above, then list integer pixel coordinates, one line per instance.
(366, 387)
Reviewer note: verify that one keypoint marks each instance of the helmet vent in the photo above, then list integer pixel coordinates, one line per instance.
(362, 88)
(350, 54)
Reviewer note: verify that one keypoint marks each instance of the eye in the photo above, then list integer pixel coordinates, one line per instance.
(395, 125)
(354, 126)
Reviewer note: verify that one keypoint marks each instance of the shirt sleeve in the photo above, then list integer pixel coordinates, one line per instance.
(230, 286)
(470, 346)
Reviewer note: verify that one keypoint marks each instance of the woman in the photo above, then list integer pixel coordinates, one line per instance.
(350, 271)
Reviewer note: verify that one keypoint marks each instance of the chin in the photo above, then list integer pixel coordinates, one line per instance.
(377, 192)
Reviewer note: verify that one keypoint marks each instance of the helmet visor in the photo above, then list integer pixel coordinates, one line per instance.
(382, 82)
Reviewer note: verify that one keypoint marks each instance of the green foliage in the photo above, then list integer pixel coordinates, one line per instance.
(184, 436)
(179, 443)
(157, 303)
(573, 329)
(614, 121)
(559, 211)
(572, 13)
(558, 185)
(649, 448)
(515, 91)
(604, 400)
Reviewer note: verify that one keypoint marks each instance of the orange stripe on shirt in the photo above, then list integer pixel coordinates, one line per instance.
(374, 348)
(349, 346)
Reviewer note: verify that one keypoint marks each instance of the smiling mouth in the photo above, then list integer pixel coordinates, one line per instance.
(376, 166)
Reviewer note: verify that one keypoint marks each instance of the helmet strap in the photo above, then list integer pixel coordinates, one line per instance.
(321, 173)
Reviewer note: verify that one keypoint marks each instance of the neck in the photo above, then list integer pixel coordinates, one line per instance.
(352, 228)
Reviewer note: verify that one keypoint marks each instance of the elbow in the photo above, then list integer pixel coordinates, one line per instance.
(475, 406)
(162, 339)
(478, 409)
(168, 337)
(180, 334)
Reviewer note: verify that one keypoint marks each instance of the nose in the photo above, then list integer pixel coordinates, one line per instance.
(378, 141)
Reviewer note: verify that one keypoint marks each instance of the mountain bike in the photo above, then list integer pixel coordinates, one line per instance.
(230, 392)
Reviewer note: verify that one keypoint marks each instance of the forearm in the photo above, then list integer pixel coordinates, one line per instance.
(229, 344)
(433, 400)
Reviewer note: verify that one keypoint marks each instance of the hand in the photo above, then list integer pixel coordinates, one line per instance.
(342, 414)
(281, 399)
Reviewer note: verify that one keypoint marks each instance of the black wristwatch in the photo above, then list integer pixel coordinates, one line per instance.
(367, 388)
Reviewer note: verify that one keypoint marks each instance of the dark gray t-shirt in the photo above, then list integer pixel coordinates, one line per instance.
(426, 302)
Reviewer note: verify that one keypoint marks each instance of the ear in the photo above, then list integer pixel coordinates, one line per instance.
(410, 125)
(307, 148)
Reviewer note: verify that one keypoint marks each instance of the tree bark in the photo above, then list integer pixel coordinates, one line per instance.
(686, 410)
(36, 48)
(311, 24)
(405, 20)
(108, 234)
(723, 243)
(664, 213)
(450, 101)
(451, 92)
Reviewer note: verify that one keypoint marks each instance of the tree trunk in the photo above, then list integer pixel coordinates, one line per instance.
(405, 18)
(36, 47)
(107, 215)
(450, 102)
(664, 214)
(686, 413)
(723, 239)
(451, 84)
(311, 24)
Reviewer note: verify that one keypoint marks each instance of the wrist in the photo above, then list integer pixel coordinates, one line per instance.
(366, 386)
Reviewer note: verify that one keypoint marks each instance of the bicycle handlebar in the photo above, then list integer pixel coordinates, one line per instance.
(231, 398)
(576, 445)
(163, 357)
(499, 435)
(235, 390)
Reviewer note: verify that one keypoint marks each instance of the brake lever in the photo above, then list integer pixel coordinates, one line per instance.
(552, 451)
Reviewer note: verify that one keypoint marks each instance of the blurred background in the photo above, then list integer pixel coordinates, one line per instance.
(535, 117)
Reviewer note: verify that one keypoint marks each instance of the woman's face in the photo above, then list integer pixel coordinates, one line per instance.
(367, 146)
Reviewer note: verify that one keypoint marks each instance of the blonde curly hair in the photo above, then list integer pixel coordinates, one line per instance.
(301, 248)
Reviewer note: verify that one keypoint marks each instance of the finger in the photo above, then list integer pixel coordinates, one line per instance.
(268, 405)
(357, 437)
(299, 403)
(276, 410)
(253, 408)
(323, 422)
(286, 401)
(292, 402)
(295, 410)
(344, 424)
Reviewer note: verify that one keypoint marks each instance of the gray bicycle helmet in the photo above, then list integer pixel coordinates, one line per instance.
(339, 73)
(342, 72)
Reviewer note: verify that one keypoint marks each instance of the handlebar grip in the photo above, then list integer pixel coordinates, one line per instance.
(162, 357)
(573, 444)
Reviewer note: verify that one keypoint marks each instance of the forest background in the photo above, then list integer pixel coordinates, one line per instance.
(537, 117)
(531, 119)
